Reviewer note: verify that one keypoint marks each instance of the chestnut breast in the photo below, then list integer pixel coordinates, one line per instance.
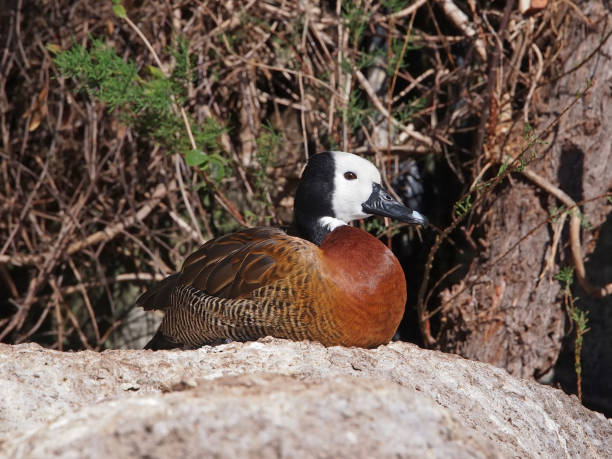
(366, 285)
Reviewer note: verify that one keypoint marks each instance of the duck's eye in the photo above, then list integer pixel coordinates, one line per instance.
(350, 175)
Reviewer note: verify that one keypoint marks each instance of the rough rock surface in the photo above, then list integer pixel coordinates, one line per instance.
(276, 398)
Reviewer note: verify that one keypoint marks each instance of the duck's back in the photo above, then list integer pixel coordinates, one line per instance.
(234, 265)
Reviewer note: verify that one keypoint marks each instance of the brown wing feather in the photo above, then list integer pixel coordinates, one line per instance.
(234, 266)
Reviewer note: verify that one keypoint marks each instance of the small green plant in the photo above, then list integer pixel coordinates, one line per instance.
(503, 167)
(398, 56)
(533, 140)
(556, 212)
(256, 220)
(356, 20)
(463, 206)
(377, 227)
(146, 103)
(150, 103)
(565, 277)
(367, 60)
(393, 6)
(584, 222)
(347, 65)
(578, 319)
(184, 61)
(523, 164)
(331, 143)
(357, 110)
(406, 114)
(267, 142)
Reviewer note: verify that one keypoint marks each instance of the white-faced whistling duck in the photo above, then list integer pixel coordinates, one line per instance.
(335, 284)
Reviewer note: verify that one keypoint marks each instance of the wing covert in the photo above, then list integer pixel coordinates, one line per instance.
(234, 265)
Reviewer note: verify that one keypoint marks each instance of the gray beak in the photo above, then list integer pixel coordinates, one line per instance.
(382, 203)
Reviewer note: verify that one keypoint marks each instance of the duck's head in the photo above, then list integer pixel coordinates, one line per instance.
(338, 187)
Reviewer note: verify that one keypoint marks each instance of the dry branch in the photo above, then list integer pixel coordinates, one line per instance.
(574, 234)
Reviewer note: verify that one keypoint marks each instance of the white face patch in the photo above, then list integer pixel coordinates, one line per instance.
(350, 193)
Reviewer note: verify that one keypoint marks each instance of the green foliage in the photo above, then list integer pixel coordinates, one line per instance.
(398, 54)
(533, 141)
(406, 114)
(394, 6)
(578, 318)
(149, 104)
(565, 277)
(184, 61)
(256, 220)
(267, 142)
(555, 212)
(584, 222)
(347, 65)
(223, 224)
(357, 110)
(332, 144)
(523, 164)
(481, 186)
(503, 167)
(367, 60)
(103, 73)
(356, 20)
(377, 227)
(463, 206)
(119, 10)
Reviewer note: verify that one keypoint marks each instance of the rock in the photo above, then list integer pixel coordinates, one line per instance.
(275, 398)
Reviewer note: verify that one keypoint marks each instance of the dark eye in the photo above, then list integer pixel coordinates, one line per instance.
(350, 175)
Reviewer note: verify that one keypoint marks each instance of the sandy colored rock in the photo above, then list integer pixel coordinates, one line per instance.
(275, 398)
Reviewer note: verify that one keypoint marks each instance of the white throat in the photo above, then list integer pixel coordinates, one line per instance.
(330, 223)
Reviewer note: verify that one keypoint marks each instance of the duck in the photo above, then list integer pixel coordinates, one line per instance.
(333, 283)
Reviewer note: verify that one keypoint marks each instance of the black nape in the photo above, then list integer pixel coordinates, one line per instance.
(313, 198)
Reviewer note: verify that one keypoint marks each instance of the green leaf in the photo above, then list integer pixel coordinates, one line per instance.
(119, 10)
(155, 72)
(503, 168)
(217, 165)
(196, 158)
(565, 276)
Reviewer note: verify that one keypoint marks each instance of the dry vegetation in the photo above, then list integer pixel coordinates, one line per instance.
(445, 97)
